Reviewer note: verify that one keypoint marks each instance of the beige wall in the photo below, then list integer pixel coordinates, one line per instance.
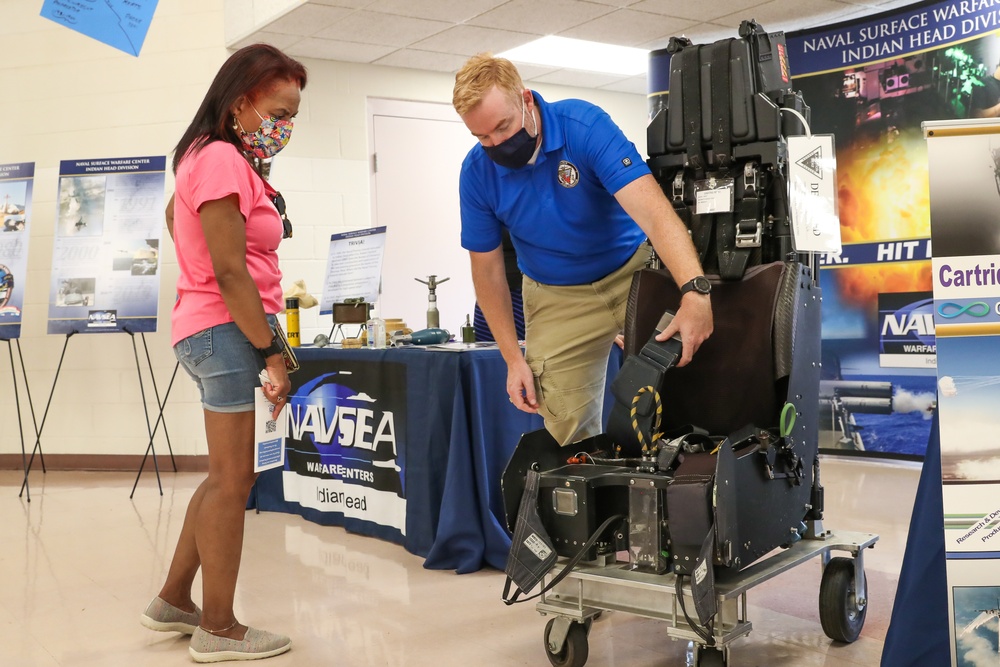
(71, 97)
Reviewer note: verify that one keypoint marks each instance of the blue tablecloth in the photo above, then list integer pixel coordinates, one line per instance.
(460, 431)
(918, 629)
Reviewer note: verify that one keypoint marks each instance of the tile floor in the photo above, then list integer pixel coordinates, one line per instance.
(79, 563)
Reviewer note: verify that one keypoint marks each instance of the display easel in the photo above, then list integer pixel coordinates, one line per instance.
(17, 406)
(150, 447)
(142, 389)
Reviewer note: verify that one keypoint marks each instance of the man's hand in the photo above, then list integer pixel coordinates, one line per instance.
(694, 322)
(521, 386)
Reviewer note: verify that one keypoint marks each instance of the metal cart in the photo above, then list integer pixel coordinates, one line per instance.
(593, 588)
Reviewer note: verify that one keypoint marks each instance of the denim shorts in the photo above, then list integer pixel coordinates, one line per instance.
(224, 365)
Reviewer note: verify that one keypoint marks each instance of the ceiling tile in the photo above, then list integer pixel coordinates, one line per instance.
(616, 3)
(328, 49)
(468, 40)
(352, 4)
(784, 15)
(453, 11)
(698, 11)
(579, 78)
(531, 72)
(700, 33)
(633, 84)
(425, 60)
(547, 18)
(275, 39)
(306, 20)
(375, 28)
(627, 27)
(831, 19)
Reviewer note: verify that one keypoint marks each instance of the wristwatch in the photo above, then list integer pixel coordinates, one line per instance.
(699, 284)
(275, 347)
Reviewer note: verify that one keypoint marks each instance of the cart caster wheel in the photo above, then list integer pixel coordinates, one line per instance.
(711, 657)
(839, 613)
(574, 652)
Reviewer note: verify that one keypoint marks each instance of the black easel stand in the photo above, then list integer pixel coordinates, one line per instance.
(17, 406)
(151, 430)
(41, 427)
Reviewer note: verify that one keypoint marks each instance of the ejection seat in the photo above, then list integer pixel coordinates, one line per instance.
(705, 469)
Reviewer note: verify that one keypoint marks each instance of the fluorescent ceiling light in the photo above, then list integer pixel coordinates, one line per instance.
(567, 53)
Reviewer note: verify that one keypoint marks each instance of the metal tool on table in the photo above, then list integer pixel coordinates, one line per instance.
(433, 316)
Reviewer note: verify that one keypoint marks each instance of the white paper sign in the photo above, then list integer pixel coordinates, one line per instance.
(812, 175)
(269, 434)
(353, 267)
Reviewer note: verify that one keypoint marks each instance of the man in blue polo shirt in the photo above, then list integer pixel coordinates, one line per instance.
(579, 203)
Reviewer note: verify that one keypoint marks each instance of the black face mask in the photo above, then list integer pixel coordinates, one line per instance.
(516, 151)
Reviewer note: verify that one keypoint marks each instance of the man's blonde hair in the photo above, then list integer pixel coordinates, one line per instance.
(479, 75)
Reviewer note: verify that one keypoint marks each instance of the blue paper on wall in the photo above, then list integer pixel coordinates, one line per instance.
(119, 23)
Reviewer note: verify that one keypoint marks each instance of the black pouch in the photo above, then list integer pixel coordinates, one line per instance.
(532, 554)
(706, 604)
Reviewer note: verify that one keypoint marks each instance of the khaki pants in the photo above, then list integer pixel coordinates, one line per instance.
(569, 331)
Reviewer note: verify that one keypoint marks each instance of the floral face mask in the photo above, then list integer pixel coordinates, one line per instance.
(270, 137)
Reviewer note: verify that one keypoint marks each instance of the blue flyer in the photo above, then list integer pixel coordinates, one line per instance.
(122, 24)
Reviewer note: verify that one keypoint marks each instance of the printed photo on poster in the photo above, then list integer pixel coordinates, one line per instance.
(969, 393)
(977, 625)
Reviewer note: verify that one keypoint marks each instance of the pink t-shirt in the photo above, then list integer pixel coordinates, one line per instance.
(212, 172)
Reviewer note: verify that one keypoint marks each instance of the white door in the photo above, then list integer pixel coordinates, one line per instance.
(419, 148)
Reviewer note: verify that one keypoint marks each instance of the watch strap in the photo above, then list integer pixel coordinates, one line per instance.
(691, 286)
(275, 347)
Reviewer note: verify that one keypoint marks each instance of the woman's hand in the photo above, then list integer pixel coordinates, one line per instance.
(278, 385)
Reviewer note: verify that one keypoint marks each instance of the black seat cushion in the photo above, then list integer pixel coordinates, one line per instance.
(732, 380)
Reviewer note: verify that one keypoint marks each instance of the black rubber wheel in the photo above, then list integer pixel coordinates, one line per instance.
(574, 652)
(711, 657)
(839, 613)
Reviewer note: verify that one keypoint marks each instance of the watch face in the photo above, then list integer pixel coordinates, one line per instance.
(702, 285)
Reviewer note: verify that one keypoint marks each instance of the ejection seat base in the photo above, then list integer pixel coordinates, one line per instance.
(593, 588)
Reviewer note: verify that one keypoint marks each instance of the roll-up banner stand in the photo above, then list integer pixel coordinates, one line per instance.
(964, 175)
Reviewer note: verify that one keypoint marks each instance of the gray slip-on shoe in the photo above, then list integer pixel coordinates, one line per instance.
(165, 617)
(256, 644)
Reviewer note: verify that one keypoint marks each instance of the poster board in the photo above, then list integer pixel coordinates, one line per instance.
(965, 230)
(16, 184)
(105, 255)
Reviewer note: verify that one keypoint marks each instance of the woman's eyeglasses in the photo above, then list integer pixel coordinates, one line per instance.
(279, 203)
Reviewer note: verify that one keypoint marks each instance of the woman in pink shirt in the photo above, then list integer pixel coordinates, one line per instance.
(226, 229)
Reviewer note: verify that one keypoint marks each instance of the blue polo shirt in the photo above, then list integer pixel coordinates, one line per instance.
(566, 225)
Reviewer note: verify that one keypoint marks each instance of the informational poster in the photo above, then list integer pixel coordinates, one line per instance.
(16, 181)
(119, 23)
(106, 252)
(353, 268)
(345, 429)
(965, 228)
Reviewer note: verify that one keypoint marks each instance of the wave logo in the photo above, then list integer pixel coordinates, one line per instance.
(949, 310)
